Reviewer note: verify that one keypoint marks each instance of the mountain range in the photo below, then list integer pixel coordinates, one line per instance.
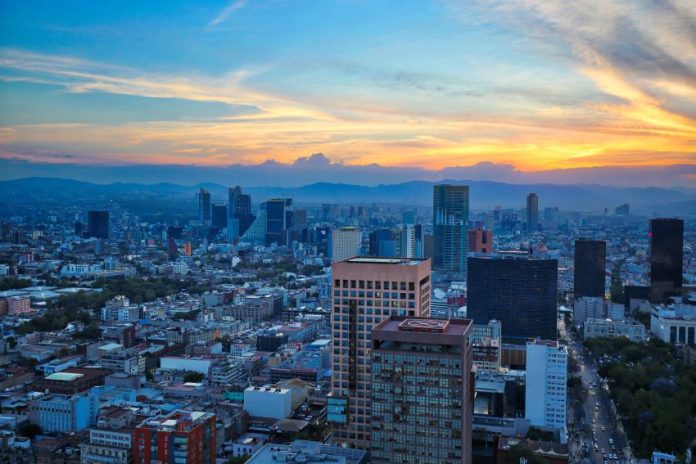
(483, 194)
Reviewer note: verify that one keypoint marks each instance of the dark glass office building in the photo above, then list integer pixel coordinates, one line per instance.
(219, 214)
(278, 220)
(666, 258)
(532, 212)
(204, 206)
(590, 262)
(450, 227)
(98, 224)
(518, 290)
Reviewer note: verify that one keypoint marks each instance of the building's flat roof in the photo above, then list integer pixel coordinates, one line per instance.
(378, 260)
(64, 376)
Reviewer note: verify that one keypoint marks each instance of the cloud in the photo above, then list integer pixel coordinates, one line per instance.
(228, 11)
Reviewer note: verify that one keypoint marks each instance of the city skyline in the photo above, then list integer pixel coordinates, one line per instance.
(533, 85)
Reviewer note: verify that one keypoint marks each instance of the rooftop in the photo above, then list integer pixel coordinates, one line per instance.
(64, 376)
(377, 260)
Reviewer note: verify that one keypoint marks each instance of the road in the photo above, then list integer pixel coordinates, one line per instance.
(596, 437)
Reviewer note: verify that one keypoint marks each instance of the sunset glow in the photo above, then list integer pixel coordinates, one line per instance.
(430, 84)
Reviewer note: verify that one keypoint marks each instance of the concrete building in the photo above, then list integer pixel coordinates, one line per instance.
(268, 401)
(300, 451)
(64, 413)
(588, 307)
(365, 292)
(182, 436)
(119, 309)
(108, 446)
(481, 241)
(675, 323)
(633, 330)
(178, 363)
(345, 243)
(546, 389)
(421, 391)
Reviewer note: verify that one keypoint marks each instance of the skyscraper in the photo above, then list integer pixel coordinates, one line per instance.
(365, 292)
(590, 263)
(546, 379)
(98, 224)
(204, 206)
(278, 213)
(666, 258)
(421, 391)
(219, 215)
(518, 290)
(345, 243)
(532, 212)
(450, 227)
(239, 215)
(382, 243)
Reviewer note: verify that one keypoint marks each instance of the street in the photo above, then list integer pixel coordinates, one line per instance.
(594, 434)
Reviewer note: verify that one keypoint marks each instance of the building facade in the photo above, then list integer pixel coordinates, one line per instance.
(365, 292)
(589, 268)
(421, 391)
(98, 224)
(516, 289)
(450, 227)
(666, 258)
(345, 243)
(182, 437)
(546, 384)
(532, 212)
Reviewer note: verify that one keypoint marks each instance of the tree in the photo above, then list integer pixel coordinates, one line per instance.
(29, 430)
(238, 459)
(193, 377)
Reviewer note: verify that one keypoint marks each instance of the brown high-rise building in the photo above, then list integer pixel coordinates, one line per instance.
(422, 391)
(480, 241)
(365, 292)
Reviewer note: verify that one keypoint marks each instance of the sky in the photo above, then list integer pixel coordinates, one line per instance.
(534, 84)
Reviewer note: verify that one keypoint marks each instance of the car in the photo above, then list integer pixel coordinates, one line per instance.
(604, 429)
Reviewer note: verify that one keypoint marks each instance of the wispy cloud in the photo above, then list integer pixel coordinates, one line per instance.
(228, 11)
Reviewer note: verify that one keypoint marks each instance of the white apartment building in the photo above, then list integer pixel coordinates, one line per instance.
(345, 243)
(546, 389)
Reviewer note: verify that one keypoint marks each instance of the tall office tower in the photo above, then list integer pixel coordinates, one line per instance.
(204, 206)
(345, 243)
(666, 258)
(622, 210)
(421, 391)
(219, 215)
(239, 215)
(450, 227)
(518, 290)
(480, 241)
(277, 215)
(590, 262)
(419, 244)
(365, 292)
(546, 384)
(382, 243)
(532, 212)
(406, 242)
(98, 224)
(182, 436)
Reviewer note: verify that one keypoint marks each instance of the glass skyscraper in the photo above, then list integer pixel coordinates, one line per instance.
(589, 268)
(450, 227)
(666, 258)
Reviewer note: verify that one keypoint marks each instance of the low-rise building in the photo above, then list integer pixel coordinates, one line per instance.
(268, 401)
(64, 413)
(595, 328)
(674, 323)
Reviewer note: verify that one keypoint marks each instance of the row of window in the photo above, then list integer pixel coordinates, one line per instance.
(374, 285)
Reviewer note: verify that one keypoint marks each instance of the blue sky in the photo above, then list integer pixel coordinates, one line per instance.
(539, 84)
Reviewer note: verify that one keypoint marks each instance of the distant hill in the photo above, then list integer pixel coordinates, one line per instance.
(483, 194)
